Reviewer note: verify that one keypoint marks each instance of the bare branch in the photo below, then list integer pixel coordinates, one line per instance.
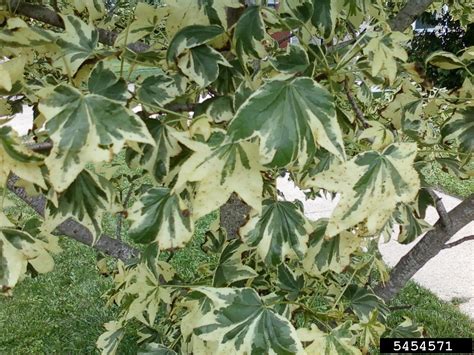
(408, 14)
(443, 214)
(122, 214)
(75, 230)
(459, 241)
(43, 14)
(355, 107)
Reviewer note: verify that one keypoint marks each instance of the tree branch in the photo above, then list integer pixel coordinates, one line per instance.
(75, 230)
(50, 17)
(457, 242)
(358, 112)
(408, 14)
(442, 213)
(427, 248)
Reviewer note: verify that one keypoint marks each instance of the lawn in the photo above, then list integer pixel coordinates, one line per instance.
(63, 311)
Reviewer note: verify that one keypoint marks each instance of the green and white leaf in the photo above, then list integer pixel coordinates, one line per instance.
(95, 8)
(249, 34)
(370, 330)
(280, 231)
(362, 302)
(109, 341)
(221, 169)
(293, 61)
(230, 267)
(340, 341)
(18, 249)
(410, 226)
(77, 44)
(383, 50)
(461, 128)
(86, 128)
(289, 117)
(16, 159)
(147, 19)
(159, 90)
(371, 185)
(329, 253)
(406, 329)
(161, 216)
(325, 14)
(86, 200)
(444, 60)
(156, 158)
(11, 75)
(240, 322)
(289, 282)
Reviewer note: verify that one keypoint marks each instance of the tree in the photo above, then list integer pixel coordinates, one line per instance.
(208, 110)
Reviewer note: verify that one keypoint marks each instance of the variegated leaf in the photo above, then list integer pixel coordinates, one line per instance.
(240, 322)
(95, 8)
(221, 168)
(461, 128)
(77, 43)
(11, 75)
(370, 330)
(384, 50)
(410, 226)
(230, 268)
(406, 329)
(16, 159)
(87, 128)
(362, 301)
(444, 60)
(280, 231)
(329, 254)
(161, 216)
(296, 9)
(191, 37)
(147, 19)
(109, 341)
(325, 14)
(293, 61)
(86, 200)
(159, 90)
(289, 117)
(201, 64)
(249, 33)
(18, 249)
(289, 282)
(340, 341)
(371, 185)
(156, 158)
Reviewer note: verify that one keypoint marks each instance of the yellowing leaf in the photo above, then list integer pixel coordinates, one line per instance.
(371, 185)
(220, 169)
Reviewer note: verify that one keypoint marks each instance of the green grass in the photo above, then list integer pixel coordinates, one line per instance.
(448, 183)
(63, 311)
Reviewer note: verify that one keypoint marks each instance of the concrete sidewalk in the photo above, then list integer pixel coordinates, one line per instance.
(449, 275)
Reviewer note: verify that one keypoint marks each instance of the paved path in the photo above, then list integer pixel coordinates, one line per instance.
(449, 275)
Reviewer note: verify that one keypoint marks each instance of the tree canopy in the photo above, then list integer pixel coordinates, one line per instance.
(208, 103)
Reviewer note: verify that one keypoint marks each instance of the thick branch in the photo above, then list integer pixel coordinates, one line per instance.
(75, 230)
(43, 14)
(428, 247)
(408, 14)
(459, 241)
(442, 213)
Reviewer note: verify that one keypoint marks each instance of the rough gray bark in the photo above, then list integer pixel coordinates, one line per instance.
(233, 215)
(408, 14)
(428, 247)
(75, 230)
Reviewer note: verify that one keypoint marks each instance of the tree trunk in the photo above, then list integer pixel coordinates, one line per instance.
(428, 247)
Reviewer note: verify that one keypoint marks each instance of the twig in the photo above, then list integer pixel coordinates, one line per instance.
(122, 214)
(40, 147)
(358, 112)
(457, 242)
(443, 214)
